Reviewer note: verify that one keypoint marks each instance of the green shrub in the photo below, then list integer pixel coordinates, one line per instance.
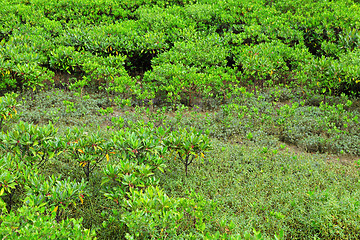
(33, 222)
(188, 145)
(88, 149)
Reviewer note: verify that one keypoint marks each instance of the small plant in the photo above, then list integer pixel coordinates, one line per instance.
(106, 111)
(188, 145)
(59, 194)
(78, 85)
(142, 144)
(33, 144)
(8, 105)
(70, 106)
(87, 149)
(147, 213)
(9, 178)
(125, 175)
(250, 136)
(33, 77)
(151, 213)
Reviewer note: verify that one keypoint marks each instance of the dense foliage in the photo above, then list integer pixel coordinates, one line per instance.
(179, 51)
(186, 119)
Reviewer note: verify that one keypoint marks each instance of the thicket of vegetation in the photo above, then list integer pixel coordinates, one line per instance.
(179, 119)
(176, 51)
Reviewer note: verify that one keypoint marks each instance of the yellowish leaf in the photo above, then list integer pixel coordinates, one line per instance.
(202, 154)
(107, 157)
(81, 199)
(56, 208)
(83, 164)
(80, 150)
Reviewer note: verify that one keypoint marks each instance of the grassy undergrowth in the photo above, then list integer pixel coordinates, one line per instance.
(270, 189)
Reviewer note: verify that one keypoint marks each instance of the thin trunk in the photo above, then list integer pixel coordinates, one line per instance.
(10, 200)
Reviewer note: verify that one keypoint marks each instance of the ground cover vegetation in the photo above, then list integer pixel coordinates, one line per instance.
(179, 119)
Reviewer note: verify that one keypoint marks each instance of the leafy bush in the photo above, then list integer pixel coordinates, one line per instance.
(33, 222)
(88, 149)
(32, 143)
(188, 145)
